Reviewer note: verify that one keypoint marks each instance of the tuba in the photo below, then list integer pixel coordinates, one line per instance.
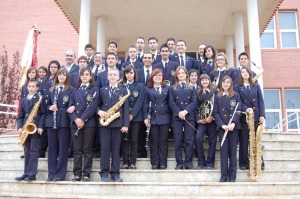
(255, 147)
(112, 113)
(29, 126)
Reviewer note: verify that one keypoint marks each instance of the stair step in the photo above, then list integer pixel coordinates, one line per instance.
(144, 163)
(151, 189)
(169, 175)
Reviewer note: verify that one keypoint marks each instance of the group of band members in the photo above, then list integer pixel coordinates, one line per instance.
(166, 90)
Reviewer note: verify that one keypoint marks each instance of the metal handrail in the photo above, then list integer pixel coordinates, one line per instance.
(284, 122)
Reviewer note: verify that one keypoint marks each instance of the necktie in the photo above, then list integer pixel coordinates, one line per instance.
(181, 61)
(112, 90)
(183, 85)
(153, 56)
(209, 63)
(89, 59)
(147, 75)
(157, 90)
(139, 56)
(248, 87)
(60, 88)
(83, 87)
(166, 65)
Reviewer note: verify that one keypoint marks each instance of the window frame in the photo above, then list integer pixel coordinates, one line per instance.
(289, 30)
(279, 110)
(271, 31)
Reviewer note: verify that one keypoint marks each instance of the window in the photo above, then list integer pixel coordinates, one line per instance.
(288, 29)
(292, 104)
(268, 39)
(273, 108)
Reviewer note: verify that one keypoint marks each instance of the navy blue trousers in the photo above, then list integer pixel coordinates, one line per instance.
(58, 141)
(31, 154)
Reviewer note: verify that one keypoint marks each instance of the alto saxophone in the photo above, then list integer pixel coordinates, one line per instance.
(29, 126)
(112, 113)
(258, 74)
(255, 147)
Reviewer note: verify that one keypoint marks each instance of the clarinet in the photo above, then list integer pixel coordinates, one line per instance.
(148, 127)
(55, 112)
(78, 129)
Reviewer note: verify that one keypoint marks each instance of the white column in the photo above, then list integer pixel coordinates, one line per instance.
(254, 36)
(229, 50)
(239, 34)
(101, 35)
(84, 26)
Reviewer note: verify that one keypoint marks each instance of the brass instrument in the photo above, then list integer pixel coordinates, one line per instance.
(148, 126)
(29, 126)
(112, 113)
(258, 74)
(206, 108)
(255, 146)
(215, 83)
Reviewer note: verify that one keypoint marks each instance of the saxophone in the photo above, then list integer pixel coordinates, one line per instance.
(112, 113)
(258, 74)
(29, 126)
(255, 147)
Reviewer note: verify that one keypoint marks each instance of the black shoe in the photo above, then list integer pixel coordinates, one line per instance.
(117, 179)
(57, 179)
(30, 178)
(188, 167)
(42, 156)
(232, 180)
(76, 178)
(243, 168)
(223, 180)
(210, 167)
(132, 166)
(21, 177)
(178, 167)
(125, 166)
(154, 167)
(22, 156)
(263, 166)
(163, 167)
(86, 179)
(104, 179)
(142, 155)
(70, 155)
(49, 179)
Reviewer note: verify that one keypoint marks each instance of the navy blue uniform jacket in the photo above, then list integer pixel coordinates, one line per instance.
(85, 103)
(252, 98)
(189, 61)
(224, 108)
(160, 111)
(106, 102)
(183, 99)
(62, 117)
(169, 71)
(26, 108)
(215, 73)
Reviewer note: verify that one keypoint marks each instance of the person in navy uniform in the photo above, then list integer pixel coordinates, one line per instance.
(136, 101)
(224, 105)
(183, 102)
(74, 77)
(200, 59)
(182, 58)
(168, 67)
(70, 61)
(58, 126)
(209, 60)
(89, 51)
(221, 70)
(98, 66)
(171, 43)
(112, 47)
(31, 145)
(206, 126)
(252, 100)
(111, 134)
(31, 73)
(143, 77)
(132, 58)
(244, 63)
(153, 45)
(140, 45)
(42, 78)
(157, 93)
(194, 78)
(111, 61)
(82, 109)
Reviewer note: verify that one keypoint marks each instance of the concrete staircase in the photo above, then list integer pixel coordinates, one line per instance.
(281, 178)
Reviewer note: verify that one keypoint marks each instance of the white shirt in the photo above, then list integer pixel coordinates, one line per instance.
(145, 72)
(101, 67)
(164, 63)
(69, 67)
(184, 56)
(29, 97)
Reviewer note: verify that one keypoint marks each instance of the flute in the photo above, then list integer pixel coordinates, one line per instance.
(55, 112)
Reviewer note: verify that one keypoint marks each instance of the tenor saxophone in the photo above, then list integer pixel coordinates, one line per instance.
(113, 112)
(29, 126)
